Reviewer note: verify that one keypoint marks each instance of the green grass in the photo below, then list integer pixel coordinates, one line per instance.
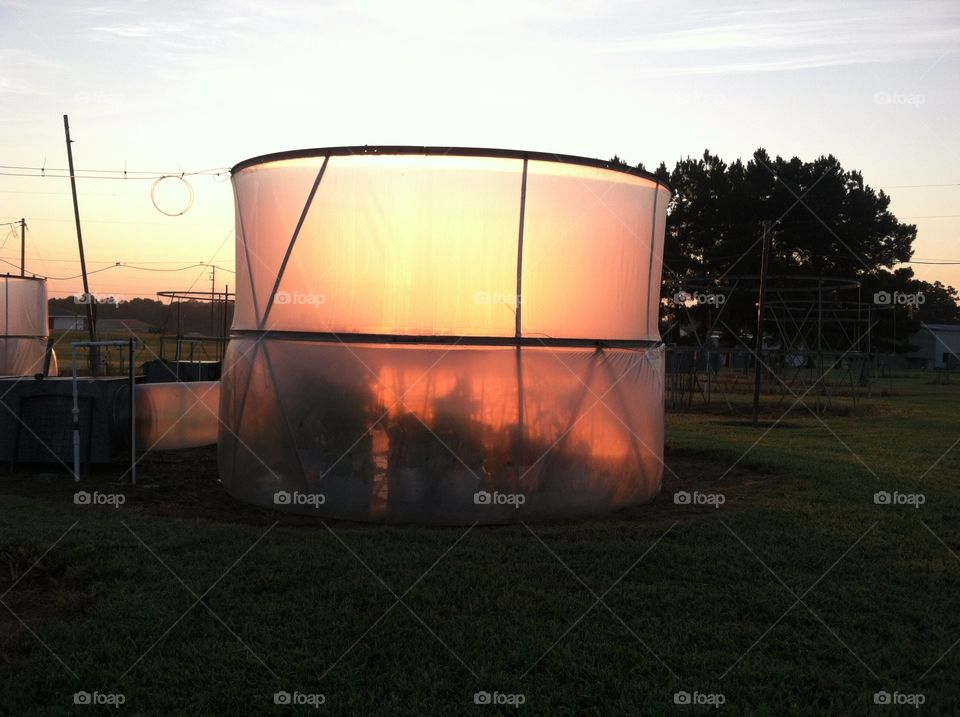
(114, 359)
(694, 599)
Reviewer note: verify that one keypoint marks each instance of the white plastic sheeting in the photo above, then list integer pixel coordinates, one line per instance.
(177, 415)
(23, 326)
(444, 335)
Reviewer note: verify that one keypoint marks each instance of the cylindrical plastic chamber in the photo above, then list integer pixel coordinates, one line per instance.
(444, 335)
(23, 326)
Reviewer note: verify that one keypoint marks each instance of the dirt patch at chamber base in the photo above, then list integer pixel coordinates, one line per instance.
(184, 486)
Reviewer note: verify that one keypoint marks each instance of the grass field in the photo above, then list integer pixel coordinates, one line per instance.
(114, 358)
(798, 595)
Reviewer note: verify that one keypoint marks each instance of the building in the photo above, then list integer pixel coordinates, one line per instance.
(938, 347)
(63, 320)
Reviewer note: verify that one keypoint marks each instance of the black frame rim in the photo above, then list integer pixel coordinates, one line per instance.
(32, 277)
(424, 340)
(374, 150)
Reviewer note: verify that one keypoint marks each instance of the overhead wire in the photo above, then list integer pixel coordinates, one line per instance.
(11, 170)
(123, 265)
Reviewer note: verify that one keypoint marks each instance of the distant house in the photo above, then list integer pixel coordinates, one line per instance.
(938, 347)
(124, 326)
(62, 320)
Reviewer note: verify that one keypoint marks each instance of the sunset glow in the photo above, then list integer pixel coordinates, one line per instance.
(186, 87)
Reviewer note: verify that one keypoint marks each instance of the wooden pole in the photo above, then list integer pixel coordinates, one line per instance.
(87, 296)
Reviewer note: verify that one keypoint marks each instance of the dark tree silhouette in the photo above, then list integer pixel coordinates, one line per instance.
(825, 222)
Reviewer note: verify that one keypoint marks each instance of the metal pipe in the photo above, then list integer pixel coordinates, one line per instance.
(133, 412)
(93, 345)
(518, 328)
(764, 259)
(76, 415)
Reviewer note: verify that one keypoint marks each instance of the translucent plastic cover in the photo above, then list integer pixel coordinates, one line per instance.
(23, 325)
(177, 415)
(439, 434)
(531, 287)
(448, 246)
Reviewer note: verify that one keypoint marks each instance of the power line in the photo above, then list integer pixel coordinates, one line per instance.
(121, 265)
(61, 173)
(60, 194)
(114, 261)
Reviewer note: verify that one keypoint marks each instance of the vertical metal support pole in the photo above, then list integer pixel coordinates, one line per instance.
(708, 352)
(133, 411)
(76, 417)
(226, 307)
(523, 210)
(819, 340)
(176, 355)
(653, 258)
(23, 246)
(213, 300)
(859, 321)
(869, 358)
(518, 330)
(226, 325)
(758, 352)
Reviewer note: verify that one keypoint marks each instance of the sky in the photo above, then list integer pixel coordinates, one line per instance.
(177, 87)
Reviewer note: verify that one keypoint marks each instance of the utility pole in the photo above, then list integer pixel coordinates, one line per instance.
(758, 352)
(87, 296)
(23, 246)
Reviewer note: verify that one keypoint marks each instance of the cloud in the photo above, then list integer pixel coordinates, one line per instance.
(13, 86)
(147, 28)
(24, 72)
(102, 11)
(789, 37)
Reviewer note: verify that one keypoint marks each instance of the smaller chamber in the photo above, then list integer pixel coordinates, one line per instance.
(24, 329)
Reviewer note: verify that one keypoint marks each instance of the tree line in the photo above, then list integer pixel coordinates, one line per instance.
(191, 316)
(823, 220)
